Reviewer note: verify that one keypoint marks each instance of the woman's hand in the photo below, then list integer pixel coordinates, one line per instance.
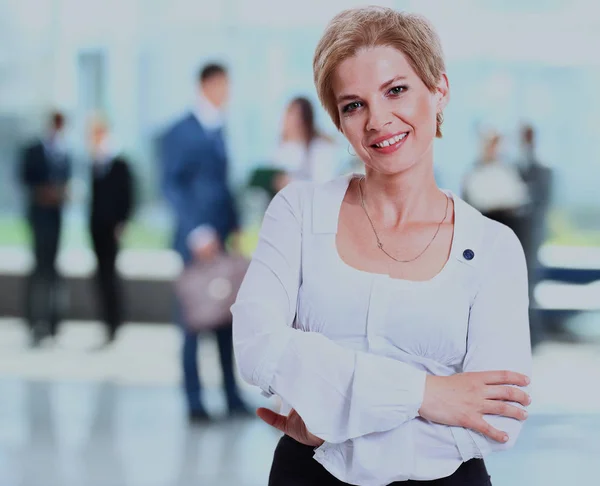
(292, 425)
(464, 398)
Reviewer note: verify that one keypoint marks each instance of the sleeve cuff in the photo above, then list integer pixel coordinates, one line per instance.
(404, 388)
(466, 444)
(331, 458)
(321, 451)
(416, 382)
(265, 376)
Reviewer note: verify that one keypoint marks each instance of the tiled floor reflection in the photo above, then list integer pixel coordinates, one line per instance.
(68, 428)
(95, 434)
(92, 434)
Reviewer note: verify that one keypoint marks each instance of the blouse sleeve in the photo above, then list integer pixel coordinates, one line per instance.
(498, 339)
(340, 393)
(498, 335)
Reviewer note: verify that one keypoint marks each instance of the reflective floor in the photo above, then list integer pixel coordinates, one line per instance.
(71, 416)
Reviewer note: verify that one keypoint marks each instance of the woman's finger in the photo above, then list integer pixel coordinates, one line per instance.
(507, 394)
(273, 419)
(494, 407)
(483, 427)
(505, 378)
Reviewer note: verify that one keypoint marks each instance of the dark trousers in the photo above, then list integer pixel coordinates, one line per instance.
(193, 389)
(42, 307)
(108, 283)
(293, 465)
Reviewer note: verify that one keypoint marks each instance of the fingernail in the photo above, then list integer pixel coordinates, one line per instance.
(505, 438)
(527, 380)
(525, 414)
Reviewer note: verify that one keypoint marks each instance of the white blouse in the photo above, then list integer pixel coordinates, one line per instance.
(350, 350)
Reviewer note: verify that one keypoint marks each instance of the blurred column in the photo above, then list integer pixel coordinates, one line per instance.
(123, 73)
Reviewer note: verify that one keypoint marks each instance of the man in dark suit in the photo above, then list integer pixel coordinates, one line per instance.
(45, 173)
(538, 179)
(194, 181)
(111, 207)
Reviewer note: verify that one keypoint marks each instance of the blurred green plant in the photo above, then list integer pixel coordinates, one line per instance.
(15, 232)
(562, 231)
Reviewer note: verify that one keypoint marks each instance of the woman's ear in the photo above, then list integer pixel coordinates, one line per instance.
(442, 93)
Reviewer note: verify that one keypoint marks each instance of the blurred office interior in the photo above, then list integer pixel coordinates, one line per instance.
(70, 415)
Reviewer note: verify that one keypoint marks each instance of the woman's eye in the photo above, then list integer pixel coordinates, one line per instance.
(351, 107)
(396, 90)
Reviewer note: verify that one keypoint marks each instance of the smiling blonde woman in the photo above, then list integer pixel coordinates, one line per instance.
(389, 316)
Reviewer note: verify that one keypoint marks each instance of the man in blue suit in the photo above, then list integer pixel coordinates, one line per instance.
(194, 180)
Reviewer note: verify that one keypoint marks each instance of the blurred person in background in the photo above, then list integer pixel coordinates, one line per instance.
(206, 289)
(45, 173)
(304, 153)
(495, 187)
(194, 170)
(387, 313)
(111, 208)
(538, 179)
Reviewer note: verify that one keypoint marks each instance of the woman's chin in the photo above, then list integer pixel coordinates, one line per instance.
(390, 167)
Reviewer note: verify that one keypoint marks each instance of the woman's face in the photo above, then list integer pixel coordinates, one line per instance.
(386, 112)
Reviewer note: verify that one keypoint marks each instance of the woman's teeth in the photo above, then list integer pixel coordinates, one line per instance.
(391, 141)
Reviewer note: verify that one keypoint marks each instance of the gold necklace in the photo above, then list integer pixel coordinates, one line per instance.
(380, 244)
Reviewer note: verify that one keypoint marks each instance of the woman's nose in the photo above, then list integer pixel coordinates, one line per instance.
(378, 119)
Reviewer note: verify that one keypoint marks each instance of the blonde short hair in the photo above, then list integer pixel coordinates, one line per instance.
(358, 28)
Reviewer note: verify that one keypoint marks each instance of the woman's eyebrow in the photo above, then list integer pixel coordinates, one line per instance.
(347, 97)
(392, 81)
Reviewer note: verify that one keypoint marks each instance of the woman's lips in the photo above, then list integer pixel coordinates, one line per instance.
(390, 148)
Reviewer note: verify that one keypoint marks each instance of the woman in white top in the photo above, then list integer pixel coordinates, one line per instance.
(304, 153)
(388, 315)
